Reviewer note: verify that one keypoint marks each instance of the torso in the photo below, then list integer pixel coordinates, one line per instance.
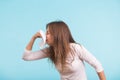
(74, 69)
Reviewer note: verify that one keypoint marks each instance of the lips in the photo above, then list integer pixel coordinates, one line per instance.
(46, 40)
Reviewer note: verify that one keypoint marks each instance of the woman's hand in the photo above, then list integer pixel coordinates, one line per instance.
(37, 35)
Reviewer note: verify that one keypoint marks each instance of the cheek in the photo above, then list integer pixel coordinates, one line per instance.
(49, 37)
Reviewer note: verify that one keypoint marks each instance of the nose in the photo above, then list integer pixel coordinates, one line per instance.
(46, 35)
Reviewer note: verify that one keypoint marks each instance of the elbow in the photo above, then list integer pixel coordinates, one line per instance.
(26, 58)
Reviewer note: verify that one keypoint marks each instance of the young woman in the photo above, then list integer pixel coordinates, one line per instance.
(67, 55)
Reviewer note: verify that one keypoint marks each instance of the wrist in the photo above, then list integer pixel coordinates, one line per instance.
(34, 37)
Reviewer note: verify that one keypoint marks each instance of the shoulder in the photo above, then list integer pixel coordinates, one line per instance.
(75, 45)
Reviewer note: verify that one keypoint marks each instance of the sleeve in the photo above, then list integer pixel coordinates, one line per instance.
(85, 55)
(35, 55)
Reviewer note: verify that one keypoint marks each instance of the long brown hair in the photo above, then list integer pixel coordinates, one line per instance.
(62, 38)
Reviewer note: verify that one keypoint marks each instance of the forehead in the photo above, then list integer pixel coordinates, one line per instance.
(47, 29)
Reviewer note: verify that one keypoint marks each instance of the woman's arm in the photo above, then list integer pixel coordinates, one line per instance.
(29, 54)
(85, 55)
(30, 44)
(101, 75)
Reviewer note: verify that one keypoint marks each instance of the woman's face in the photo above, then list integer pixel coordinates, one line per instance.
(49, 37)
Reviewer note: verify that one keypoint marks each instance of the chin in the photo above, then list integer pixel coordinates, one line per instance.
(49, 44)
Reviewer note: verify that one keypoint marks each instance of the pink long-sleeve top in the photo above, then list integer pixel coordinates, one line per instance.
(75, 68)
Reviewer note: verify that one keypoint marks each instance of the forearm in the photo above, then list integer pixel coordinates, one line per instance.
(30, 44)
(101, 75)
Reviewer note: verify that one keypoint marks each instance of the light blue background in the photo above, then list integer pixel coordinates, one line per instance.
(93, 23)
